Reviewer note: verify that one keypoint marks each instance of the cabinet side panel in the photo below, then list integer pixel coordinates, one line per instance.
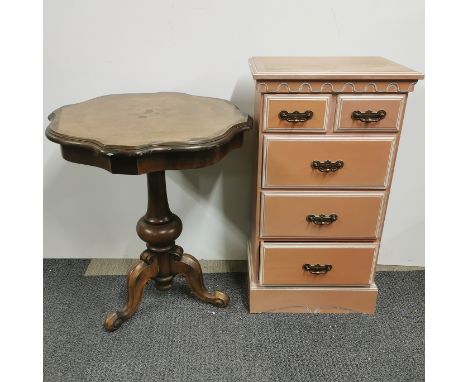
(255, 212)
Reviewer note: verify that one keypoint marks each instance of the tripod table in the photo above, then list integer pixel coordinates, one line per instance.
(148, 134)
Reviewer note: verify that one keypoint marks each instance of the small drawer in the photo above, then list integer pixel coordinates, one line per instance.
(317, 264)
(333, 215)
(292, 161)
(304, 113)
(369, 113)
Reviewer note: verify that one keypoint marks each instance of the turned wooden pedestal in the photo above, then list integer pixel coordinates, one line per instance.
(163, 259)
(148, 134)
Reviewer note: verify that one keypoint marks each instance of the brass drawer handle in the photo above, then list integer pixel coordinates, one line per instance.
(327, 166)
(317, 269)
(295, 116)
(368, 116)
(322, 219)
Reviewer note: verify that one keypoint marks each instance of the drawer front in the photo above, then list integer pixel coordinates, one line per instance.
(296, 215)
(369, 113)
(289, 112)
(317, 264)
(366, 161)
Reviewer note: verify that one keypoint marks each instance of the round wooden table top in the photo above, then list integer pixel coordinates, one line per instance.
(140, 133)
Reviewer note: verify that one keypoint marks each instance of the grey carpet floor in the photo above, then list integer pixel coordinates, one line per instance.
(174, 337)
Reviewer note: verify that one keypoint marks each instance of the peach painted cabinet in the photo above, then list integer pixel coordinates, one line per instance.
(328, 132)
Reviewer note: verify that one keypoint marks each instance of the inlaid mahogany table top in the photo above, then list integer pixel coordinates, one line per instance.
(140, 133)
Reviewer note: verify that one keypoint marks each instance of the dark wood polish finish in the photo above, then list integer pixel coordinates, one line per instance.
(138, 277)
(98, 142)
(163, 259)
(138, 162)
(118, 157)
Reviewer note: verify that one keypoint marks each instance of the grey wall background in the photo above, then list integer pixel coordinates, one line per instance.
(92, 48)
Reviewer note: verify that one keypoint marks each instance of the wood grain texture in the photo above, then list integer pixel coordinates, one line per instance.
(334, 86)
(163, 259)
(140, 274)
(305, 68)
(287, 187)
(287, 161)
(284, 165)
(151, 133)
(392, 104)
(282, 263)
(264, 299)
(318, 104)
(300, 299)
(284, 215)
(153, 120)
(253, 262)
(108, 132)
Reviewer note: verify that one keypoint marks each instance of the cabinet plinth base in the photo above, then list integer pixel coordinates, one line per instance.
(312, 300)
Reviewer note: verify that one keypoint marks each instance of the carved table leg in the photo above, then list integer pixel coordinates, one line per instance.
(189, 267)
(139, 275)
(162, 260)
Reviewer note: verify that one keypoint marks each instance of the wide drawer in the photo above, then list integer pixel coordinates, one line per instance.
(296, 112)
(317, 264)
(340, 162)
(321, 215)
(369, 113)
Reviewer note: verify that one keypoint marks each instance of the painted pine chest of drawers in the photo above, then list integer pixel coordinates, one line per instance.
(328, 133)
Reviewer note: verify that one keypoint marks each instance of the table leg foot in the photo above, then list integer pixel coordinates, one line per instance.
(189, 267)
(139, 275)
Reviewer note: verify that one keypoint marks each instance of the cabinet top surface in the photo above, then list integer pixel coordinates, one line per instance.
(164, 121)
(331, 68)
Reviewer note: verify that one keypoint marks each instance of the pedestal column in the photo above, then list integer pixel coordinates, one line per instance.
(163, 259)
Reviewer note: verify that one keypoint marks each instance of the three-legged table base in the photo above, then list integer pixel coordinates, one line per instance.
(148, 268)
(162, 260)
